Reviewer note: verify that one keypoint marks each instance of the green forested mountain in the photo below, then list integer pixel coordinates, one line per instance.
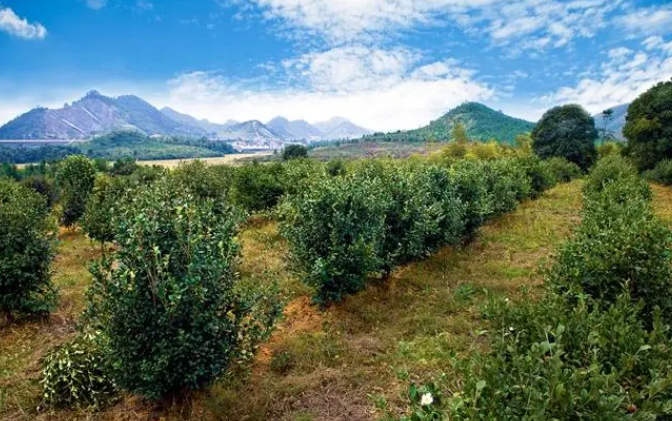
(482, 123)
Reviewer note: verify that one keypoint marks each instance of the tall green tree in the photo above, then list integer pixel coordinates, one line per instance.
(648, 127)
(459, 133)
(75, 179)
(567, 132)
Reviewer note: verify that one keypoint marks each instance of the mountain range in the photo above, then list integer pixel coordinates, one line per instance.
(96, 114)
(481, 122)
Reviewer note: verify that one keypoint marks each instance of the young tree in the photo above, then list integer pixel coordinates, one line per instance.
(26, 251)
(459, 133)
(648, 127)
(167, 305)
(607, 116)
(568, 132)
(75, 179)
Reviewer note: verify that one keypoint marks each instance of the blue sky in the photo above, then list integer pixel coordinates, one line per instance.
(385, 64)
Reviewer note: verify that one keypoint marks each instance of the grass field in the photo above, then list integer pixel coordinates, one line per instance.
(228, 160)
(367, 149)
(332, 365)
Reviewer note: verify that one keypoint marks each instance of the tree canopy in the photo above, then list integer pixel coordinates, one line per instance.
(648, 126)
(568, 132)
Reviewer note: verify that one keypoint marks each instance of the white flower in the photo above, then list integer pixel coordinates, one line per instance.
(511, 329)
(426, 399)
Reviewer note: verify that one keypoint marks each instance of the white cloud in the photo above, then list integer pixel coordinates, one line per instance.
(382, 89)
(651, 20)
(535, 24)
(625, 76)
(96, 4)
(20, 27)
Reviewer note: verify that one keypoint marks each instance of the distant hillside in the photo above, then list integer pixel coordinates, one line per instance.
(482, 123)
(119, 145)
(339, 128)
(617, 122)
(186, 120)
(294, 130)
(98, 115)
(95, 114)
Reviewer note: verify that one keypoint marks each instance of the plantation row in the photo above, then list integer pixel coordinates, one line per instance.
(167, 311)
(598, 344)
(345, 230)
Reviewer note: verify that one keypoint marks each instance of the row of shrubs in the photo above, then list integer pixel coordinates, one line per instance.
(345, 229)
(598, 344)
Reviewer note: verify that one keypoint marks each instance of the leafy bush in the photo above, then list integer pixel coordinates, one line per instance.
(564, 360)
(619, 244)
(257, 187)
(661, 174)
(472, 187)
(107, 196)
(294, 152)
(75, 178)
(540, 173)
(124, 166)
(76, 374)
(609, 148)
(508, 183)
(44, 186)
(336, 230)
(608, 170)
(563, 170)
(26, 251)
(173, 272)
(202, 180)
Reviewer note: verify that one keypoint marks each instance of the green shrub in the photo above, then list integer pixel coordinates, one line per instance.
(560, 360)
(75, 178)
(563, 170)
(124, 166)
(619, 244)
(257, 187)
(26, 251)
(294, 152)
(508, 183)
(44, 186)
(105, 200)
(76, 374)
(608, 170)
(335, 231)
(540, 173)
(609, 148)
(661, 174)
(422, 211)
(167, 303)
(472, 187)
(203, 181)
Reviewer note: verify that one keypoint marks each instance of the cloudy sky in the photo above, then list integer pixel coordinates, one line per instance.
(385, 64)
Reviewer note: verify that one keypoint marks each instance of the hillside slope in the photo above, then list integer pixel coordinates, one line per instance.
(92, 115)
(482, 123)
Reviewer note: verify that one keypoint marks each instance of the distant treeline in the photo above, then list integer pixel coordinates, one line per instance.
(120, 145)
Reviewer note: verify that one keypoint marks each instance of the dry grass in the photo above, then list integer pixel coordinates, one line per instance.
(332, 365)
(662, 202)
(223, 160)
(23, 345)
